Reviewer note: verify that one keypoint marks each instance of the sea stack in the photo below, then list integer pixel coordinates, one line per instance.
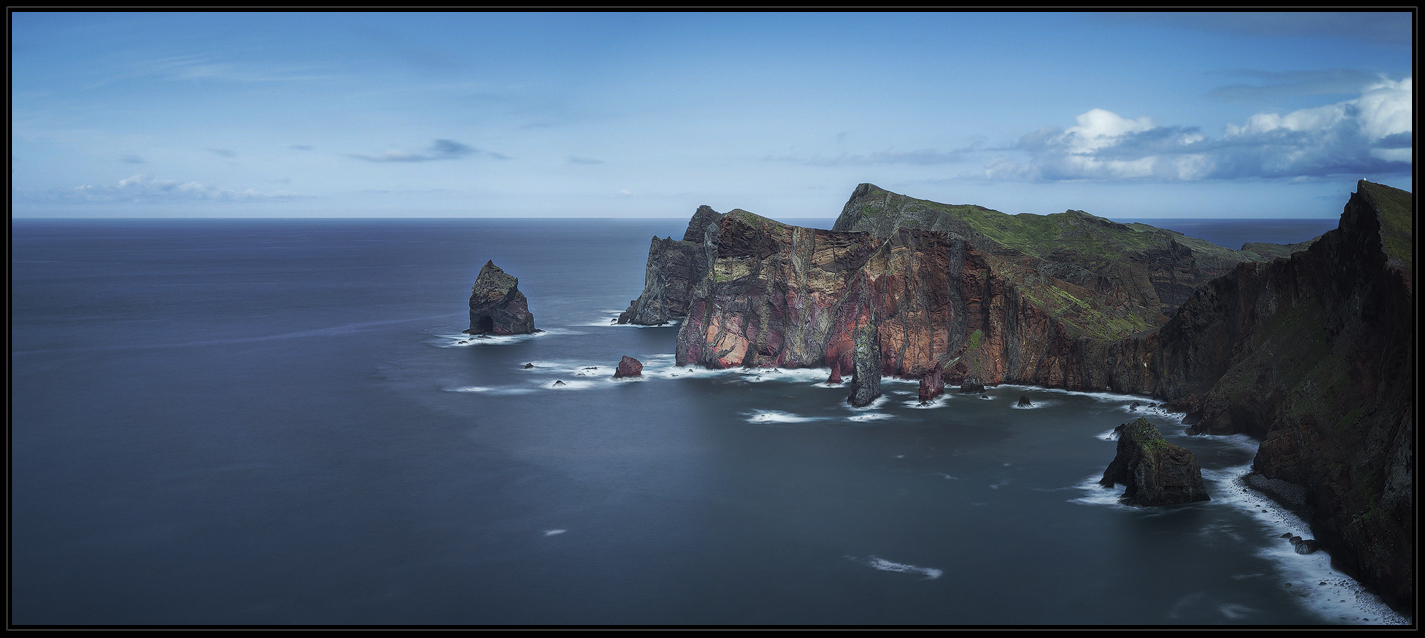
(866, 366)
(628, 367)
(497, 306)
(932, 383)
(1155, 471)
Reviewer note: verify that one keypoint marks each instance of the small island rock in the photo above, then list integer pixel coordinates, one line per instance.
(497, 306)
(628, 367)
(1155, 471)
(1024, 402)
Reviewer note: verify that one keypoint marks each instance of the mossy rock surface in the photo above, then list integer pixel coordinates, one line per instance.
(1155, 472)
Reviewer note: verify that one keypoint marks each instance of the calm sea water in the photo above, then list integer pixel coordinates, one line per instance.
(278, 422)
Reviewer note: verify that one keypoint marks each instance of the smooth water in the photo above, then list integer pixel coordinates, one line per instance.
(278, 422)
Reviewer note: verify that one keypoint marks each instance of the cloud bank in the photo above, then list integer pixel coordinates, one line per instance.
(1371, 134)
(439, 150)
(144, 188)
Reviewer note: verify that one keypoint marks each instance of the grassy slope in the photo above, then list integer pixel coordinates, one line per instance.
(1396, 220)
(1093, 242)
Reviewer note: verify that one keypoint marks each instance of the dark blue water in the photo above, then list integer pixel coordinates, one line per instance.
(278, 422)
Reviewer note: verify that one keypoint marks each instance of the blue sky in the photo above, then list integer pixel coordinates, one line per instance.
(650, 115)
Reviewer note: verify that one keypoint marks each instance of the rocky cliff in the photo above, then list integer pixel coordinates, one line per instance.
(1000, 298)
(1314, 355)
(1307, 347)
(674, 268)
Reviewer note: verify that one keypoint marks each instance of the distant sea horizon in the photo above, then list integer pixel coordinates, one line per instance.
(1228, 232)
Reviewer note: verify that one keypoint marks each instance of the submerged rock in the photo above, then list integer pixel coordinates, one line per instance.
(1304, 545)
(1155, 471)
(497, 306)
(628, 367)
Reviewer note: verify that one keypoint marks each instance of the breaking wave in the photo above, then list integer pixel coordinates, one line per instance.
(876, 562)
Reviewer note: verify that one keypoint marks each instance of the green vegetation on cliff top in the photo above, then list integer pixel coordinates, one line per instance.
(753, 219)
(1397, 220)
(881, 211)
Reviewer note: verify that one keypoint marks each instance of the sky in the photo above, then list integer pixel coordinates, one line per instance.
(1123, 115)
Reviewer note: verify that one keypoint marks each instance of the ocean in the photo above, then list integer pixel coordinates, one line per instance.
(278, 422)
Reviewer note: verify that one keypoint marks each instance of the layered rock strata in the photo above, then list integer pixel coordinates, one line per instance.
(497, 306)
(1155, 472)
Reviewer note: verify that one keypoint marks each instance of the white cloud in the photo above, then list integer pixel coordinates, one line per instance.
(1371, 134)
(1099, 128)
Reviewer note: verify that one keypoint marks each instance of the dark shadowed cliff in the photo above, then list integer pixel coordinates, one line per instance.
(1314, 355)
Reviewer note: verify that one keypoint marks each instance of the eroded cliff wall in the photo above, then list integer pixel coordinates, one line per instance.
(1314, 355)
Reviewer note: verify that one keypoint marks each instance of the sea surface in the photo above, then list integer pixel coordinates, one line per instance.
(259, 422)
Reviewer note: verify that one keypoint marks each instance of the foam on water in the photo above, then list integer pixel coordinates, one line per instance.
(465, 341)
(1095, 494)
(777, 416)
(488, 390)
(1107, 435)
(938, 402)
(554, 532)
(1341, 599)
(798, 375)
(876, 562)
(1106, 397)
(609, 319)
(874, 405)
(872, 416)
(1034, 405)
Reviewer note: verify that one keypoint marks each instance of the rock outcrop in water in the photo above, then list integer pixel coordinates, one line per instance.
(1308, 347)
(628, 367)
(866, 366)
(1155, 472)
(497, 306)
(932, 383)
